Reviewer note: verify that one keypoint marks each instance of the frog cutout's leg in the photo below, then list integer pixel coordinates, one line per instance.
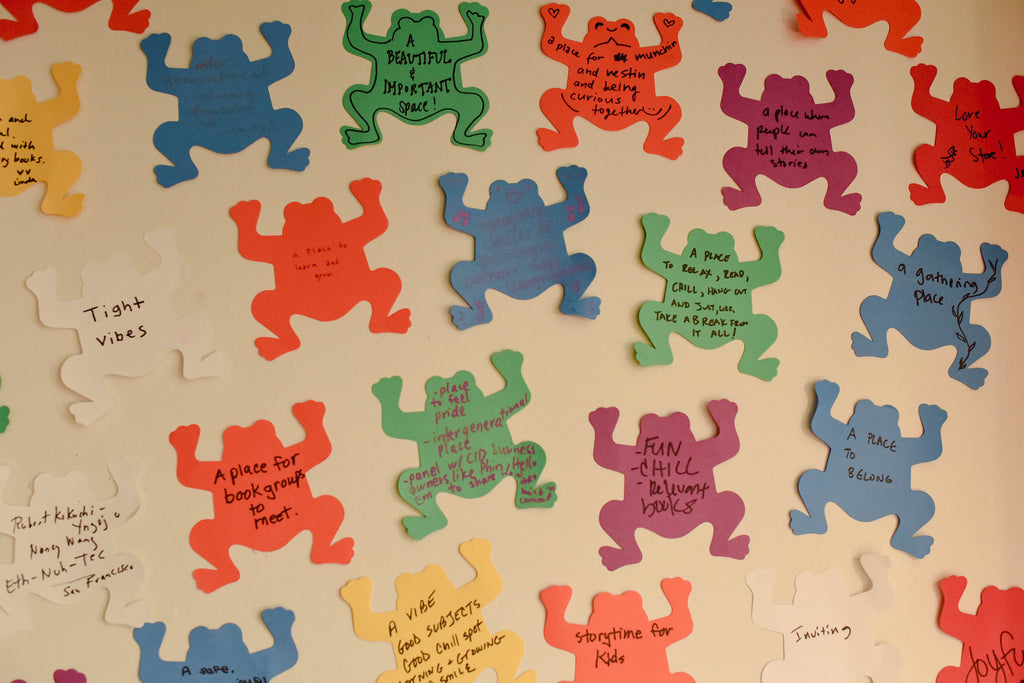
(727, 509)
(24, 21)
(580, 273)
(14, 616)
(382, 287)
(430, 518)
(123, 19)
(505, 660)
(813, 487)
(657, 141)
(274, 314)
(1015, 198)
(561, 115)
(611, 518)
(811, 22)
(286, 126)
(758, 336)
(358, 101)
(191, 338)
(63, 169)
(529, 493)
(931, 192)
(883, 663)
(170, 140)
(842, 173)
(896, 40)
(123, 606)
(473, 292)
(469, 108)
(210, 541)
(978, 343)
(917, 510)
(744, 175)
(328, 513)
(874, 312)
(719, 11)
(659, 352)
(83, 376)
(5, 418)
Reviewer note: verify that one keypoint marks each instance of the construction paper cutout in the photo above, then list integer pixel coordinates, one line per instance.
(24, 22)
(64, 546)
(64, 676)
(320, 267)
(520, 245)
(261, 496)
(868, 476)
(929, 302)
(789, 138)
(827, 633)
(708, 295)
(611, 80)
(5, 418)
(415, 74)
(437, 630)
(974, 138)
(621, 643)
(464, 443)
(27, 153)
(126, 324)
(901, 15)
(219, 655)
(991, 651)
(669, 482)
(223, 102)
(719, 11)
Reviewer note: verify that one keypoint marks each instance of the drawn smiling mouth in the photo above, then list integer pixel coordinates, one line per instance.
(610, 40)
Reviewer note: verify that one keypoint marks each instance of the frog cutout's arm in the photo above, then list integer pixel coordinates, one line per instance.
(575, 207)
(952, 619)
(653, 255)
(1015, 116)
(251, 244)
(373, 222)
(315, 448)
(827, 428)
(53, 312)
(355, 38)
(125, 472)
(922, 101)
(487, 583)
(66, 104)
(367, 624)
(196, 474)
(928, 446)
(394, 421)
(840, 110)
(880, 596)
(726, 443)
(557, 631)
(988, 282)
(160, 77)
(282, 655)
(508, 400)
(679, 619)
(553, 43)
(608, 453)
(765, 612)
(456, 213)
(733, 103)
(8, 511)
(475, 41)
(668, 26)
(173, 269)
(768, 268)
(151, 667)
(884, 251)
(280, 62)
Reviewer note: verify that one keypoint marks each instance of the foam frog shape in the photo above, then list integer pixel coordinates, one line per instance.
(611, 80)
(261, 494)
(868, 474)
(827, 633)
(519, 246)
(929, 301)
(64, 550)
(436, 629)
(974, 138)
(669, 486)
(219, 655)
(789, 138)
(64, 676)
(622, 644)
(320, 267)
(708, 295)
(126, 324)
(415, 74)
(716, 9)
(991, 637)
(28, 156)
(464, 443)
(24, 21)
(223, 102)
(901, 15)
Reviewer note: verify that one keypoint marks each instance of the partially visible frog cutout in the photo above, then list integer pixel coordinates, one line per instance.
(707, 297)
(436, 628)
(415, 74)
(868, 470)
(28, 155)
(465, 447)
(827, 633)
(669, 483)
(611, 80)
(261, 495)
(789, 138)
(63, 676)
(219, 655)
(320, 267)
(716, 9)
(64, 547)
(126, 324)
(974, 138)
(520, 246)
(929, 302)
(901, 15)
(24, 21)
(991, 637)
(223, 102)
(5, 418)
(620, 642)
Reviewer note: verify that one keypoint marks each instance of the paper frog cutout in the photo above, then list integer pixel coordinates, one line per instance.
(261, 496)
(219, 655)
(437, 630)
(63, 676)
(827, 633)
(620, 643)
(868, 474)
(992, 637)
(415, 74)
(63, 547)
(320, 267)
(974, 138)
(929, 301)
(223, 102)
(27, 153)
(789, 138)
(901, 15)
(708, 295)
(520, 245)
(464, 442)
(5, 418)
(121, 16)
(611, 80)
(126, 324)
(717, 10)
(669, 482)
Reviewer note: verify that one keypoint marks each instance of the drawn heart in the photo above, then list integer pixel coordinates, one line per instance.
(668, 22)
(554, 12)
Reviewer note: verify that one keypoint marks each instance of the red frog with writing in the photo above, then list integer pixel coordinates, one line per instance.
(993, 638)
(24, 22)
(901, 15)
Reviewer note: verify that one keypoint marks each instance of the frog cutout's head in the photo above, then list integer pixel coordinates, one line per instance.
(617, 34)
(242, 439)
(215, 52)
